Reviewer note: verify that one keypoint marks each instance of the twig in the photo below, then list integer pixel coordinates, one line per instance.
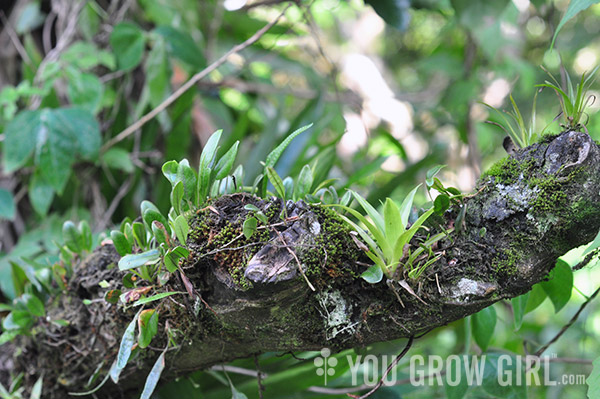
(190, 83)
(569, 324)
(297, 260)
(261, 387)
(14, 38)
(387, 371)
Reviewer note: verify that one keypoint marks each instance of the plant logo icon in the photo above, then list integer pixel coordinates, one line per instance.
(325, 364)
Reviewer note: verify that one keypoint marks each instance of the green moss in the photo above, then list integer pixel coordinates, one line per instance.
(507, 170)
(505, 262)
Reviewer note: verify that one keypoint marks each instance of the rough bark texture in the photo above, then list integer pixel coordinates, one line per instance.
(529, 209)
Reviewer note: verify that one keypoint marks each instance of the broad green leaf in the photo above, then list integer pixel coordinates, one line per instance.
(537, 295)
(118, 158)
(136, 260)
(288, 187)
(55, 137)
(373, 274)
(226, 162)
(304, 183)
(84, 90)
(395, 13)
(182, 46)
(519, 304)
(276, 181)
(153, 377)
(72, 237)
(455, 381)
(156, 297)
(249, 227)
(593, 381)
(122, 245)
(560, 285)
(393, 220)
(500, 375)
(33, 304)
(484, 323)
(204, 170)
(40, 194)
(441, 204)
(574, 8)
(181, 228)
(147, 327)
(7, 205)
(127, 342)
(172, 258)
(18, 320)
(127, 41)
(274, 155)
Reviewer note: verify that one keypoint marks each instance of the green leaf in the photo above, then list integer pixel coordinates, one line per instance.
(169, 170)
(112, 296)
(55, 137)
(372, 213)
(156, 297)
(574, 8)
(304, 183)
(182, 46)
(593, 381)
(139, 234)
(393, 220)
(122, 245)
(406, 206)
(118, 158)
(151, 215)
(274, 155)
(537, 295)
(18, 320)
(36, 391)
(136, 260)
(500, 376)
(373, 274)
(159, 233)
(33, 304)
(72, 237)
(459, 389)
(276, 181)
(40, 194)
(7, 205)
(127, 41)
(249, 227)
(86, 235)
(441, 204)
(431, 174)
(594, 245)
(187, 176)
(181, 228)
(226, 162)
(84, 90)
(560, 285)
(206, 159)
(519, 304)
(484, 323)
(177, 196)
(158, 74)
(147, 327)
(153, 377)
(395, 13)
(172, 257)
(124, 350)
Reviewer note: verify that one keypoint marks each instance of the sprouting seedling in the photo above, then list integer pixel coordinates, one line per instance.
(574, 100)
(514, 125)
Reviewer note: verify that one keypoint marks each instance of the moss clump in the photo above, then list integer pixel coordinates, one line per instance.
(505, 171)
(550, 197)
(333, 247)
(505, 261)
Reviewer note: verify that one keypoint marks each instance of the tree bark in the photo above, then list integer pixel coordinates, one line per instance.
(249, 296)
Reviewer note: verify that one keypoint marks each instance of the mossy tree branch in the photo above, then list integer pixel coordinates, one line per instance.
(248, 296)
